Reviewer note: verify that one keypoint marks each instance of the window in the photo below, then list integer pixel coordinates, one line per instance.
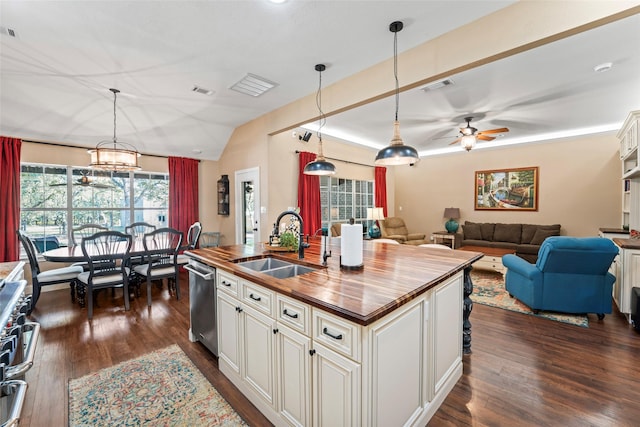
(342, 199)
(55, 199)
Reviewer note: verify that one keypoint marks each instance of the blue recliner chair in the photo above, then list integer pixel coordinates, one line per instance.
(570, 276)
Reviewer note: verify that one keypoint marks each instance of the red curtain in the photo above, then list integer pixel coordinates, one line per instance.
(381, 188)
(183, 194)
(309, 195)
(9, 198)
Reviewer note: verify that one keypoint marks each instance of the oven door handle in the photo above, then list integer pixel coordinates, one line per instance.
(21, 368)
(208, 276)
(16, 408)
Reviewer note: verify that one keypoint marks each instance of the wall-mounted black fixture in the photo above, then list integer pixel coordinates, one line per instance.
(223, 195)
(306, 137)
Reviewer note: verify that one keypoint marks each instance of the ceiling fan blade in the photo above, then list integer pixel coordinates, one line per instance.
(456, 141)
(485, 137)
(499, 130)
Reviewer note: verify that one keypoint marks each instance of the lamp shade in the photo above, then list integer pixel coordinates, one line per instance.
(451, 213)
(375, 213)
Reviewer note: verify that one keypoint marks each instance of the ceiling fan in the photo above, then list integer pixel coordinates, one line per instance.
(469, 135)
(83, 181)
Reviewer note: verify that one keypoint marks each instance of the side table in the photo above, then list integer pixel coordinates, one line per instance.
(446, 238)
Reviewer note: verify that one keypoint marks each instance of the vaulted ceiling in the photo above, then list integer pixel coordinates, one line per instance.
(59, 59)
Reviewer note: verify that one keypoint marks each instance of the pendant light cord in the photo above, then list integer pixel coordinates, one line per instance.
(322, 119)
(115, 94)
(395, 70)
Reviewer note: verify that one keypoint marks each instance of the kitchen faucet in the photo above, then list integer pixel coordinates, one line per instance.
(301, 243)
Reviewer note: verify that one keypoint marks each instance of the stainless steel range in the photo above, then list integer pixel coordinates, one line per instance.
(18, 339)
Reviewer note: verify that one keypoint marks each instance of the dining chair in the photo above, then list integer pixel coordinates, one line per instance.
(138, 230)
(193, 235)
(85, 230)
(160, 259)
(107, 253)
(41, 278)
(78, 234)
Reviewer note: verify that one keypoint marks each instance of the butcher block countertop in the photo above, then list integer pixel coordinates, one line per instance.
(627, 243)
(392, 275)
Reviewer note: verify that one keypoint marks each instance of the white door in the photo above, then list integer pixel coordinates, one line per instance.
(247, 206)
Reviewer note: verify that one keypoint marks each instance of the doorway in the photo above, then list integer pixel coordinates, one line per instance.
(247, 186)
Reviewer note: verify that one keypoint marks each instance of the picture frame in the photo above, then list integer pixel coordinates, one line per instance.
(514, 189)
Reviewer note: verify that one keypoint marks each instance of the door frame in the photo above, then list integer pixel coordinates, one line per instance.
(244, 175)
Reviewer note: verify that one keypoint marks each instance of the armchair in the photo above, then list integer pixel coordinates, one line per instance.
(570, 276)
(395, 228)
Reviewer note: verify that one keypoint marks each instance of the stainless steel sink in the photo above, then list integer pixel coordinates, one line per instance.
(276, 267)
(263, 264)
(289, 271)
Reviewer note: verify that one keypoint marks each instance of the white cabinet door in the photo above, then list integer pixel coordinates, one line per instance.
(447, 330)
(228, 321)
(396, 390)
(336, 389)
(258, 353)
(294, 376)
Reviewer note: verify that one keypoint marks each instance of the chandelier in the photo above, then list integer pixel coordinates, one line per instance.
(114, 155)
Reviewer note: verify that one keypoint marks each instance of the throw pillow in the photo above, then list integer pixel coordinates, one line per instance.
(471, 231)
(507, 233)
(542, 234)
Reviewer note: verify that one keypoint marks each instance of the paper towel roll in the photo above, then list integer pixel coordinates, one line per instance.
(351, 245)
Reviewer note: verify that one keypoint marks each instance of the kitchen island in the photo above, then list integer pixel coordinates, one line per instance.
(379, 346)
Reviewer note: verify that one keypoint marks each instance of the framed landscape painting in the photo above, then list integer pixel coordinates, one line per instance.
(507, 189)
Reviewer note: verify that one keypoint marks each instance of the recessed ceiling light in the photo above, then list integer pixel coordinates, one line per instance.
(196, 151)
(277, 1)
(601, 68)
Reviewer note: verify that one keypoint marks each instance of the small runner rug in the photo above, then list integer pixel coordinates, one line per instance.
(162, 388)
(488, 289)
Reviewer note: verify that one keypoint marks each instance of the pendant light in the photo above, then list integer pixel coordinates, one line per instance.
(397, 153)
(320, 166)
(114, 155)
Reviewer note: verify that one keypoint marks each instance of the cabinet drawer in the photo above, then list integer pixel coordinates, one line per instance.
(295, 314)
(256, 296)
(336, 333)
(228, 283)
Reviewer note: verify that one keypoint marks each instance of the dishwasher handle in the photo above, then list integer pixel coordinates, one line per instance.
(207, 276)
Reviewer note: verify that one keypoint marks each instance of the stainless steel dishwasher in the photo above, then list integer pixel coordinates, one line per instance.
(202, 304)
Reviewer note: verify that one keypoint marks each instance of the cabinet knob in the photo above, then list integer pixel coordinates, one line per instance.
(312, 352)
(275, 330)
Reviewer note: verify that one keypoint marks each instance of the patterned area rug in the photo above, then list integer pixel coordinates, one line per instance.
(162, 388)
(488, 289)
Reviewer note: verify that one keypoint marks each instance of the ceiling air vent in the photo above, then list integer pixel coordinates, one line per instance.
(437, 85)
(202, 90)
(253, 85)
(8, 32)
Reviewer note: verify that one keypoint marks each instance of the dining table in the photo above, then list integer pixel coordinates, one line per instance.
(74, 253)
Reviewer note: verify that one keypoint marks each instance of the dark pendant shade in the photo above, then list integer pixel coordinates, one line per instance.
(319, 167)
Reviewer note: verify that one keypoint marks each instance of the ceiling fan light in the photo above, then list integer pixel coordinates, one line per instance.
(468, 142)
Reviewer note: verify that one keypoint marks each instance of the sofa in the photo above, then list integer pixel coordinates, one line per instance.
(524, 239)
(570, 276)
(395, 228)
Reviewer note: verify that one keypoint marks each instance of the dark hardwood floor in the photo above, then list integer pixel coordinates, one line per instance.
(524, 371)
